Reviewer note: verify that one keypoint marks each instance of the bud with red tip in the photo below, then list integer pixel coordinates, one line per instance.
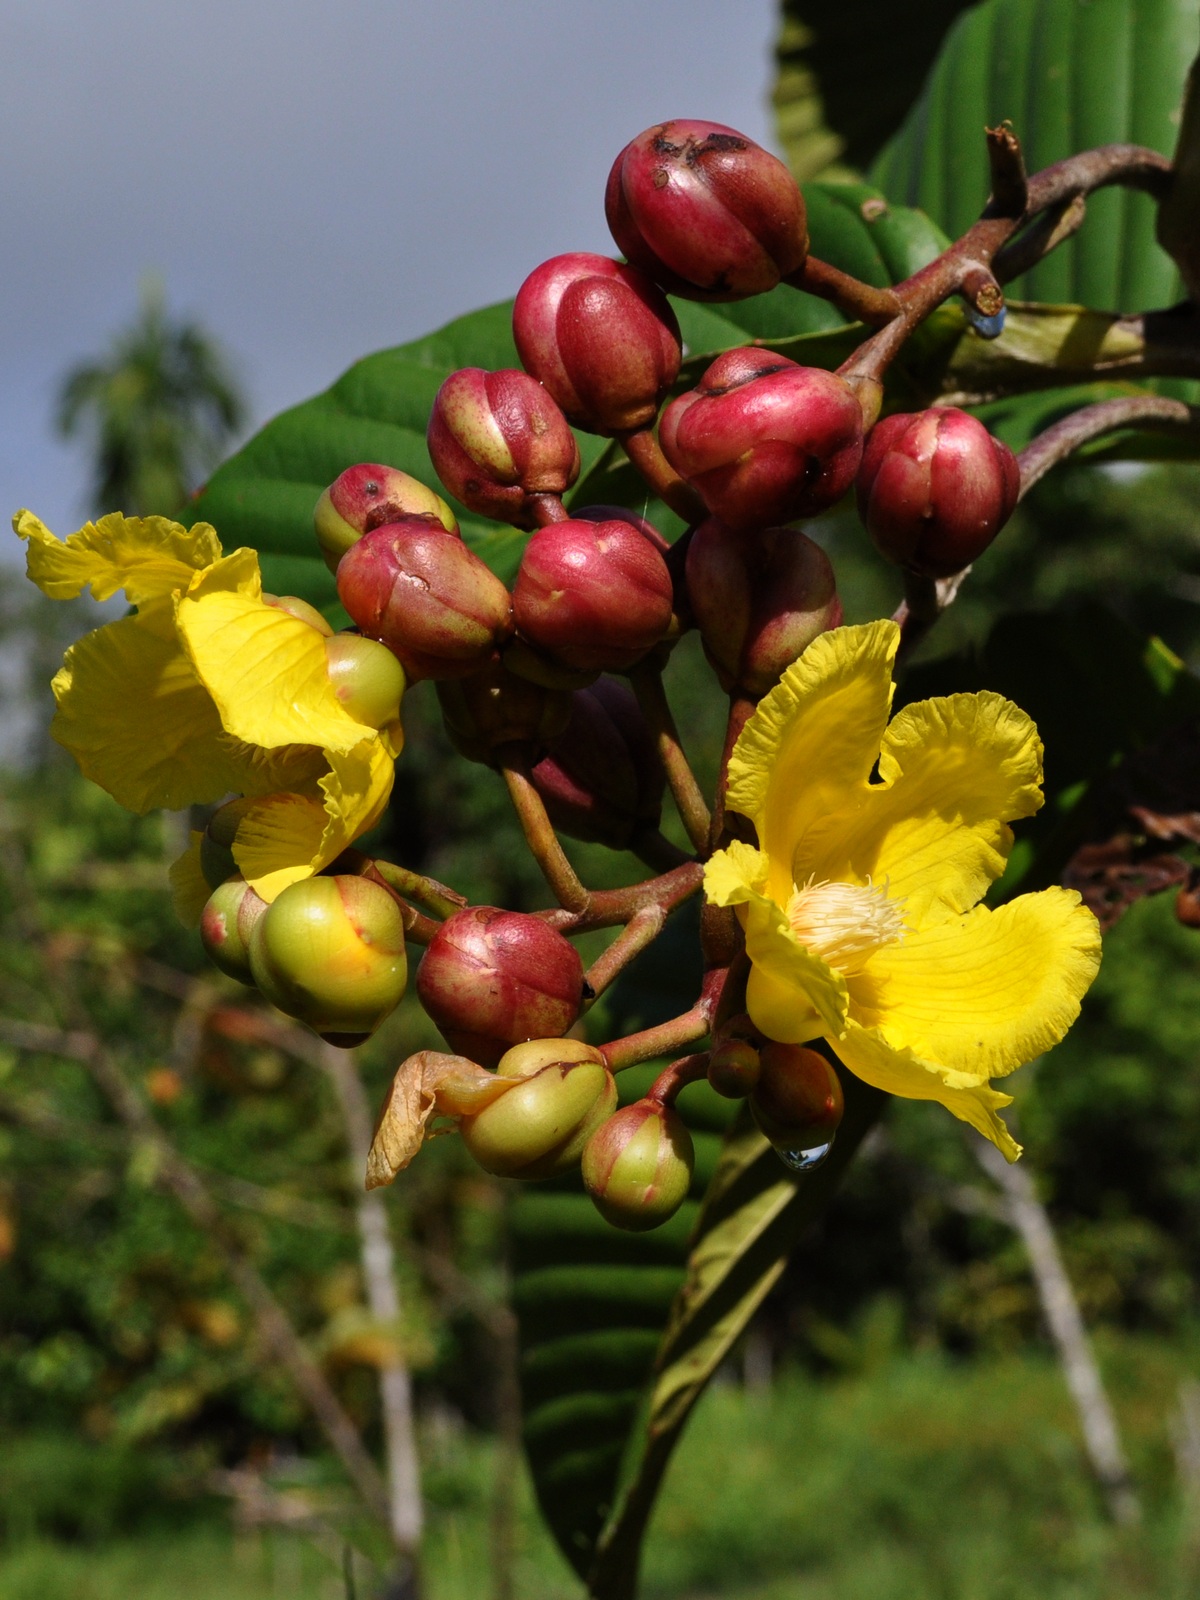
(601, 778)
(734, 1068)
(367, 496)
(496, 707)
(637, 1166)
(797, 1102)
(705, 211)
(367, 679)
(421, 592)
(493, 978)
(935, 488)
(226, 924)
(592, 595)
(759, 599)
(763, 440)
(497, 439)
(330, 952)
(540, 1127)
(601, 337)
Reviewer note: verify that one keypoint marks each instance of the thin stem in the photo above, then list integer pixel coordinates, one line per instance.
(1060, 440)
(539, 832)
(688, 1069)
(645, 452)
(859, 301)
(641, 930)
(685, 791)
(662, 1040)
(436, 898)
(608, 907)
(548, 508)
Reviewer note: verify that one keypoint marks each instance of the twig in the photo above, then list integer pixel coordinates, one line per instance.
(689, 801)
(641, 930)
(1060, 440)
(539, 832)
(645, 453)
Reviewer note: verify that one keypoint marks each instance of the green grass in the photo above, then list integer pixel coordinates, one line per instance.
(918, 1480)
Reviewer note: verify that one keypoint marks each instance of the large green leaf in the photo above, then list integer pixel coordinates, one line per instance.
(1069, 76)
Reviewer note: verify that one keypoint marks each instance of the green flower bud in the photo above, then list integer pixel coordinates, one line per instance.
(366, 677)
(539, 1128)
(637, 1166)
(300, 609)
(330, 952)
(226, 924)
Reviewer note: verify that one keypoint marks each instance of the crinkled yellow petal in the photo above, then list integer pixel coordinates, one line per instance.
(808, 750)
(902, 1072)
(266, 670)
(236, 573)
(136, 718)
(189, 886)
(985, 992)
(954, 772)
(145, 556)
(299, 767)
(791, 994)
(286, 837)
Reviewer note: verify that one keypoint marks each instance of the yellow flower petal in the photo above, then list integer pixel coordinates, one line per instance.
(812, 742)
(266, 671)
(791, 994)
(954, 773)
(983, 993)
(189, 886)
(902, 1072)
(136, 718)
(286, 837)
(145, 556)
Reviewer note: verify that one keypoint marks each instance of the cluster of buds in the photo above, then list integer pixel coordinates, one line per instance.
(528, 678)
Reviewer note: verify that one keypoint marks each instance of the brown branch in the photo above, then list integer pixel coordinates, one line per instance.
(608, 907)
(641, 930)
(539, 832)
(858, 301)
(1056, 443)
(645, 453)
(685, 791)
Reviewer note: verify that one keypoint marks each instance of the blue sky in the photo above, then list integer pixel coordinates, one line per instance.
(315, 181)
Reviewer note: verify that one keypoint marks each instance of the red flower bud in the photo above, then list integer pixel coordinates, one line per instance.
(935, 488)
(421, 592)
(602, 779)
(759, 600)
(601, 337)
(637, 1166)
(367, 496)
(705, 211)
(496, 439)
(733, 1068)
(226, 924)
(593, 595)
(539, 1128)
(497, 707)
(797, 1102)
(493, 978)
(763, 440)
(330, 952)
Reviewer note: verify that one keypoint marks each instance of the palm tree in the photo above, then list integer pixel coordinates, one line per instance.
(160, 407)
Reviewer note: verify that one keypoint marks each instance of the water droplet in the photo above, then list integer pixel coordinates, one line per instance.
(805, 1160)
(987, 327)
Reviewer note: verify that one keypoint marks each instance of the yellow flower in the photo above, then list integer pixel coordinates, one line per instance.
(860, 904)
(206, 689)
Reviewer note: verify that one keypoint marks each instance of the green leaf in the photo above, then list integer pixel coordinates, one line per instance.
(847, 75)
(1068, 76)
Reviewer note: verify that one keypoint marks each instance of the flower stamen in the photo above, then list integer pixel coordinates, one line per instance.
(845, 923)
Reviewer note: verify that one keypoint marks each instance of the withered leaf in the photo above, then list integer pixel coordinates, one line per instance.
(426, 1083)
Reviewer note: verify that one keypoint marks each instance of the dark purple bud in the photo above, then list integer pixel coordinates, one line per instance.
(496, 707)
(601, 779)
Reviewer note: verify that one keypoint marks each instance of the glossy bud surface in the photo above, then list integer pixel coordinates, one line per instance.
(763, 440)
(759, 599)
(492, 978)
(734, 1068)
(496, 439)
(226, 924)
(637, 1166)
(705, 211)
(365, 497)
(797, 1101)
(601, 337)
(935, 488)
(539, 1128)
(430, 600)
(592, 595)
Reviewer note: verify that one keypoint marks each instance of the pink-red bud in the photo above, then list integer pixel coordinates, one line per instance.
(432, 601)
(493, 978)
(705, 211)
(935, 488)
(592, 595)
(759, 599)
(367, 496)
(734, 1068)
(637, 1166)
(601, 778)
(797, 1101)
(601, 337)
(497, 439)
(763, 440)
